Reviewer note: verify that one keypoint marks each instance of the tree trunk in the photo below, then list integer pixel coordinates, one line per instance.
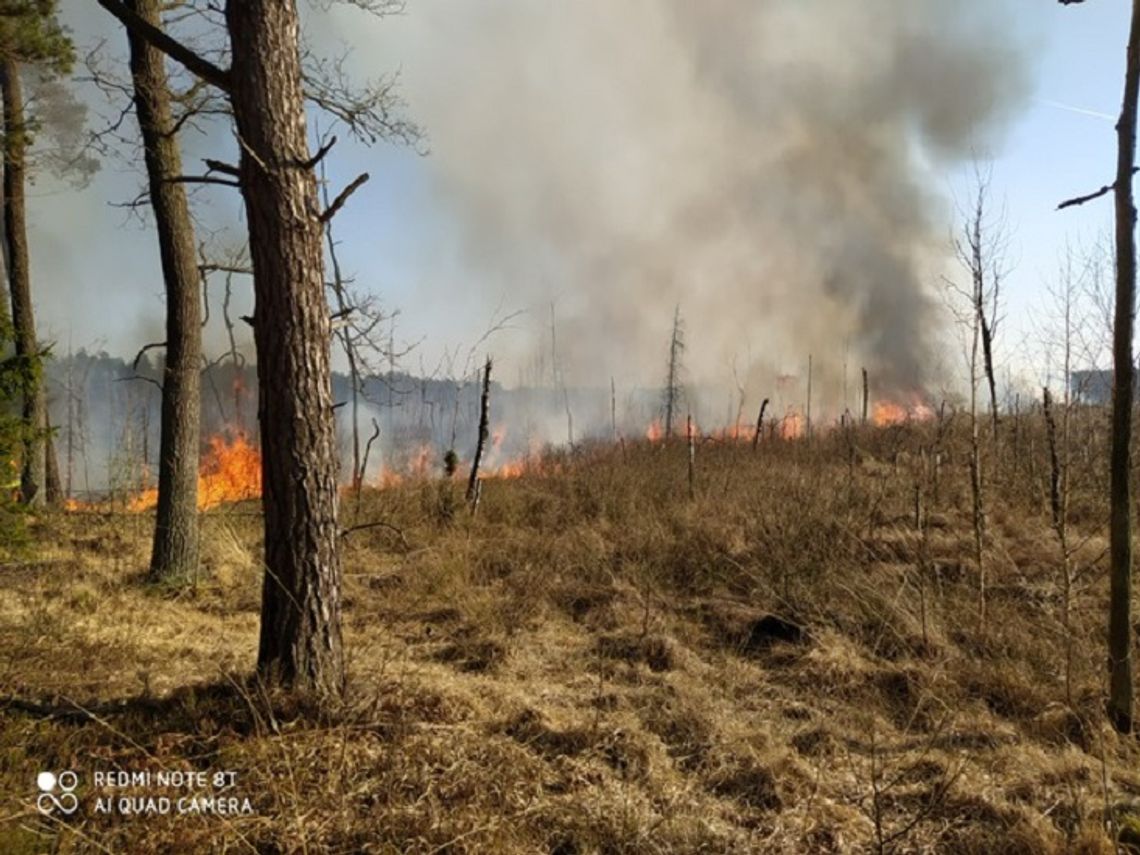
(300, 642)
(864, 419)
(33, 412)
(988, 364)
(1120, 525)
(174, 553)
(484, 432)
(53, 486)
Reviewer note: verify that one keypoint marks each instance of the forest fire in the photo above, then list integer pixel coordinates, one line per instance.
(229, 472)
(886, 413)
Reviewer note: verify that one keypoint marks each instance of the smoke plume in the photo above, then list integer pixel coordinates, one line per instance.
(775, 168)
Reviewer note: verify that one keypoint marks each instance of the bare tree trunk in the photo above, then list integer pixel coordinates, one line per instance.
(808, 409)
(759, 424)
(672, 379)
(977, 497)
(175, 548)
(14, 134)
(613, 408)
(988, 361)
(484, 432)
(52, 483)
(301, 642)
(692, 441)
(865, 396)
(1120, 525)
(1057, 502)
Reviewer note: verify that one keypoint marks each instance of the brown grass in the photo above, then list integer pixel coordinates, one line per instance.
(595, 663)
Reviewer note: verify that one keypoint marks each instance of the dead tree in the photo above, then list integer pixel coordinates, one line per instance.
(1057, 502)
(484, 432)
(691, 439)
(808, 409)
(1120, 699)
(981, 250)
(673, 389)
(865, 396)
(759, 424)
(977, 495)
(613, 408)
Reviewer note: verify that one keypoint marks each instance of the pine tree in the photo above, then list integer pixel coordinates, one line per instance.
(31, 39)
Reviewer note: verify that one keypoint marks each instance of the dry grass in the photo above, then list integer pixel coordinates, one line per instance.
(595, 663)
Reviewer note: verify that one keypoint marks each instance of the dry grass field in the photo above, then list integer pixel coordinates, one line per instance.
(789, 661)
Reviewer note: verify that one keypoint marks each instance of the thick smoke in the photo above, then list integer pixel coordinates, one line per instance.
(775, 167)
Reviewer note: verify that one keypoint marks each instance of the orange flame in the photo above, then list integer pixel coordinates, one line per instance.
(415, 464)
(886, 413)
(792, 425)
(655, 432)
(229, 472)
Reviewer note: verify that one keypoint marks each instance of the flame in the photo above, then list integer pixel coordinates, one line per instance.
(734, 433)
(792, 425)
(885, 413)
(888, 413)
(229, 472)
(510, 469)
(655, 432)
(416, 463)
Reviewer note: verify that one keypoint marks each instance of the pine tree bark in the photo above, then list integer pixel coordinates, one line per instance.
(1120, 701)
(300, 644)
(300, 641)
(175, 548)
(33, 407)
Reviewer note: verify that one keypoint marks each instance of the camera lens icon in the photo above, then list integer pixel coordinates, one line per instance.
(66, 802)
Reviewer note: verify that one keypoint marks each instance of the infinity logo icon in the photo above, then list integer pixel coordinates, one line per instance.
(66, 802)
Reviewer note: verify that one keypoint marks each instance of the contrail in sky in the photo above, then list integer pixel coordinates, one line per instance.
(1081, 111)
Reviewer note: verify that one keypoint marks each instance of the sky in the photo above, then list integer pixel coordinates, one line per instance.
(457, 244)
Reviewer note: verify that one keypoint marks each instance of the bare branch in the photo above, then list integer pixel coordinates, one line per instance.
(221, 166)
(339, 201)
(320, 155)
(203, 179)
(173, 48)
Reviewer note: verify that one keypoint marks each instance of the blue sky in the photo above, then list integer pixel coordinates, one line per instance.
(407, 244)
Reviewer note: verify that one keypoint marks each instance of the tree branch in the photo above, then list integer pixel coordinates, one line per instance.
(1103, 191)
(203, 179)
(221, 166)
(339, 201)
(320, 155)
(170, 46)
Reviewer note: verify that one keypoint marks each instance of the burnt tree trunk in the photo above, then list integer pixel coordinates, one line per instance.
(33, 404)
(759, 424)
(174, 552)
(865, 397)
(1120, 491)
(484, 432)
(300, 643)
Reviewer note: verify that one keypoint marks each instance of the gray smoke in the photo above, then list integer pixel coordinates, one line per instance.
(776, 167)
